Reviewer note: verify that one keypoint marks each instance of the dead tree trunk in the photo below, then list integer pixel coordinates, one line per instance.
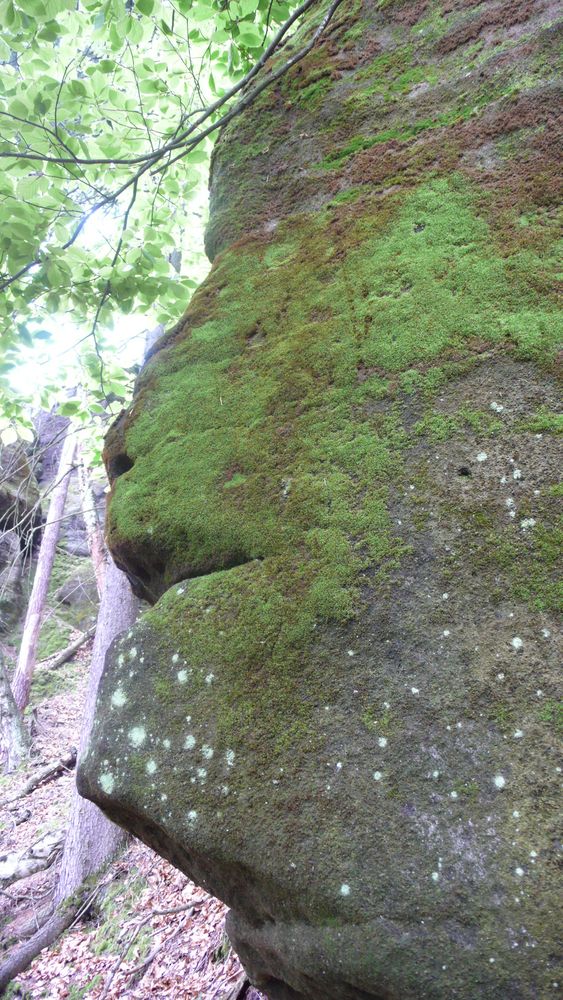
(91, 840)
(93, 530)
(21, 682)
(14, 739)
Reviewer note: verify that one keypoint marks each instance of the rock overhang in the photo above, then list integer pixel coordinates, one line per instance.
(359, 408)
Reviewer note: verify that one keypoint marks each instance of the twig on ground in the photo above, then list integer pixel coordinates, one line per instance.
(191, 907)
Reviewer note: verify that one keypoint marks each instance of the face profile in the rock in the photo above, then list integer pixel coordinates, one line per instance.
(325, 718)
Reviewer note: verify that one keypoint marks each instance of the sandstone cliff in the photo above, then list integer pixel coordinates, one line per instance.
(338, 485)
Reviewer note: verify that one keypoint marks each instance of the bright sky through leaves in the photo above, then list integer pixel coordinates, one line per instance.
(94, 96)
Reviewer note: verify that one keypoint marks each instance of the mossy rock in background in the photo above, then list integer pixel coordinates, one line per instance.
(338, 483)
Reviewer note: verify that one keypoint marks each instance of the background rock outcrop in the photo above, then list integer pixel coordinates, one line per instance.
(338, 484)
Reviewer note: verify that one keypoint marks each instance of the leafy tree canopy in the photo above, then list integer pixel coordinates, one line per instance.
(108, 113)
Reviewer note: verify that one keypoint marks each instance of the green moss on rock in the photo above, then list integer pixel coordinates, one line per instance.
(341, 495)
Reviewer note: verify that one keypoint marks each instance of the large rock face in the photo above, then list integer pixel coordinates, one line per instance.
(338, 484)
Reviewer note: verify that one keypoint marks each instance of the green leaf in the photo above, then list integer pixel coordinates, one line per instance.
(197, 156)
(250, 36)
(145, 6)
(70, 408)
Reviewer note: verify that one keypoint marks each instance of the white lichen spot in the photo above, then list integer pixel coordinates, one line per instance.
(382, 742)
(120, 660)
(377, 775)
(516, 814)
(453, 795)
(435, 774)
(224, 789)
(435, 876)
(133, 653)
(517, 474)
(482, 456)
(445, 597)
(137, 736)
(527, 522)
(519, 872)
(192, 816)
(446, 632)
(351, 652)
(497, 407)
(533, 854)
(339, 765)
(509, 502)
(230, 757)
(546, 633)
(344, 889)
(516, 642)
(151, 767)
(175, 657)
(210, 678)
(189, 742)
(415, 691)
(180, 591)
(182, 676)
(518, 734)
(500, 676)
(207, 752)
(201, 773)
(118, 698)
(166, 744)
(500, 781)
(107, 782)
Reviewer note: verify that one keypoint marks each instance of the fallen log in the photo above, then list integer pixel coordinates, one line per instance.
(23, 955)
(21, 864)
(47, 773)
(68, 653)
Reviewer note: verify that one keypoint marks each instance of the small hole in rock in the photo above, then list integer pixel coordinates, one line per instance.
(119, 464)
(464, 470)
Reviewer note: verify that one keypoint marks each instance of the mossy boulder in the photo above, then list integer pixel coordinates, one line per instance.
(338, 485)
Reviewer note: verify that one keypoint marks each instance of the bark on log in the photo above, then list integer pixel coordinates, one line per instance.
(21, 957)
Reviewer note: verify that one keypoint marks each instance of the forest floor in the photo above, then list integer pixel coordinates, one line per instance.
(127, 945)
